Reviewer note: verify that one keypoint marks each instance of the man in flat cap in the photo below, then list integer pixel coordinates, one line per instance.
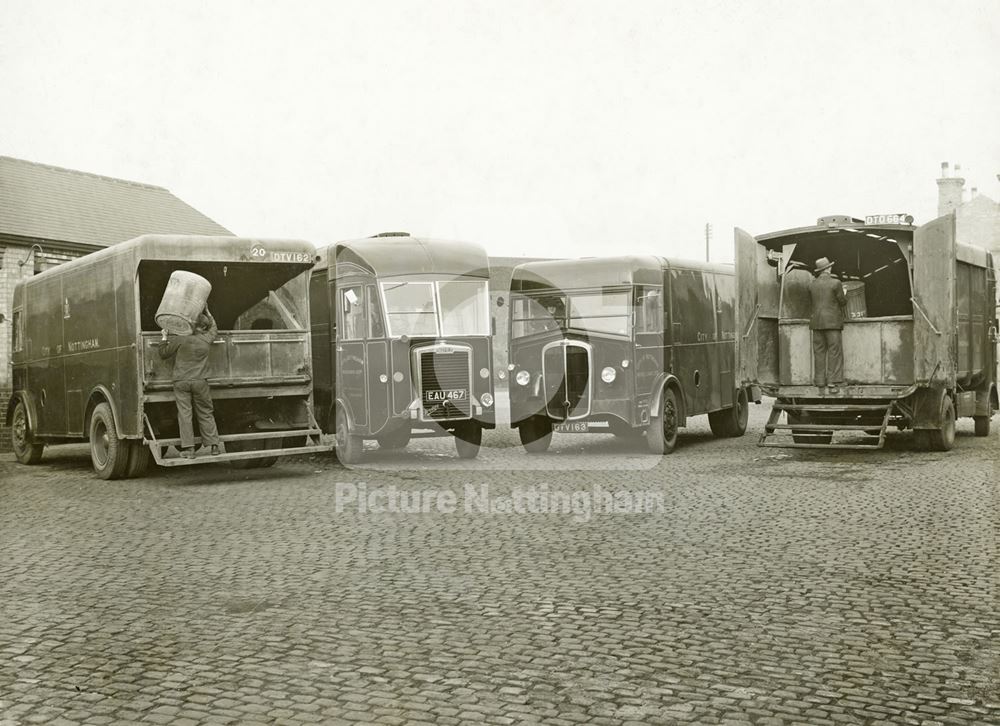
(829, 308)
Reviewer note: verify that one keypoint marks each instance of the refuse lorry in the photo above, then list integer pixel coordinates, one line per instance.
(920, 349)
(86, 367)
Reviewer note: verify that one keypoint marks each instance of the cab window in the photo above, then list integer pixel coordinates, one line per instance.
(648, 310)
(352, 307)
(376, 329)
(18, 324)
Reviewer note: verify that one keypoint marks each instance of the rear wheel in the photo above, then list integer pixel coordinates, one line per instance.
(350, 447)
(468, 438)
(108, 453)
(661, 434)
(535, 434)
(25, 450)
(943, 437)
(138, 458)
(731, 422)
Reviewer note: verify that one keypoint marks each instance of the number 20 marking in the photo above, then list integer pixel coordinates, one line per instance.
(257, 251)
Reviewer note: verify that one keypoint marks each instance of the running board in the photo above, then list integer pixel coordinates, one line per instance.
(809, 435)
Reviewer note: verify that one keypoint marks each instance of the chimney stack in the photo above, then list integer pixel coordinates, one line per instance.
(949, 190)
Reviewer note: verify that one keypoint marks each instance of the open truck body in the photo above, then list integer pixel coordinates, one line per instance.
(402, 342)
(86, 364)
(631, 345)
(919, 340)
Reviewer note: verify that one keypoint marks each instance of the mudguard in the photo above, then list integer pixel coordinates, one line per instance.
(29, 406)
(927, 407)
(656, 397)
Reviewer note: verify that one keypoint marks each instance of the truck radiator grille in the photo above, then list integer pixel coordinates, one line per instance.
(445, 385)
(567, 381)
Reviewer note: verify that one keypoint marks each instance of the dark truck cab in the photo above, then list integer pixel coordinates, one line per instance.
(920, 339)
(631, 345)
(402, 342)
(86, 363)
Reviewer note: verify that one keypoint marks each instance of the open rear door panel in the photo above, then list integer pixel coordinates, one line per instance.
(934, 312)
(753, 275)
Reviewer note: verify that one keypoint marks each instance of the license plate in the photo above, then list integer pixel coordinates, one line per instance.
(456, 394)
(571, 427)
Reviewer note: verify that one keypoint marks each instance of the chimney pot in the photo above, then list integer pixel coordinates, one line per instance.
(944, 168)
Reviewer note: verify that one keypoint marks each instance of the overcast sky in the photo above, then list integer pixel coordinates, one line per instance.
(537, 128)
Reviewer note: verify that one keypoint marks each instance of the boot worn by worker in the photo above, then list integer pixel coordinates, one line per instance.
(216, 450)
(188, 453)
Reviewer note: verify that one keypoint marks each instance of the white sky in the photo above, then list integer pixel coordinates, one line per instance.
(536, 128)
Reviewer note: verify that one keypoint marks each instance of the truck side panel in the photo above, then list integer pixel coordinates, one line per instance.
(91, 339)
(44, 340)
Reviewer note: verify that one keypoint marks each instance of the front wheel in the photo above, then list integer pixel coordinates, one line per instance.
(535, 434)
(350, 447)
(108, 453)
(25, 450)
(661, 434)
(468, 438)
(396, 439)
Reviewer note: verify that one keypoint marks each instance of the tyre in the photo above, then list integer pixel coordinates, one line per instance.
(138, 459)
(396, 439)
(731, 422)
(661, 434)
(982, 424)
(25, 450)
(943, 437)
(350, 446)
(108, 453)
(468, 438)
(535, 434)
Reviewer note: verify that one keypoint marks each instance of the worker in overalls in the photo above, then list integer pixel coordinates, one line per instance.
(829, 309)
(190, 354)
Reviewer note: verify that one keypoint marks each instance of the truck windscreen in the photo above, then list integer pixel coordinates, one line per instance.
(606, 312)
(454, 307)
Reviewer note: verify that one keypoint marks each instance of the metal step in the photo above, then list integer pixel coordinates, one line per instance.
(275, 434)
(782, 435)
(205, 458)
(831, 407)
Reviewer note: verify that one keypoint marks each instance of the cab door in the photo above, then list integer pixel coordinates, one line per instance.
(377, 360)
(934, 311)
(648, 361)
(352, 381)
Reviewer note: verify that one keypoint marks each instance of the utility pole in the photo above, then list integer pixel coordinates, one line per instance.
(708, 241)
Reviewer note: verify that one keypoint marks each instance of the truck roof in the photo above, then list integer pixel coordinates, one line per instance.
(892, 232)
(401, 255)
(197, 248)
(604, 271)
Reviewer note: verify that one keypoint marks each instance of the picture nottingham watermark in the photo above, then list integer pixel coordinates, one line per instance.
(582, 504)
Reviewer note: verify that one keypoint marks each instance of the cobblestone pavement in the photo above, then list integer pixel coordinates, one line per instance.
(772, 586)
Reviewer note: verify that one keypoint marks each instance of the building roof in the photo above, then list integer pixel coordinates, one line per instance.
(42, 202)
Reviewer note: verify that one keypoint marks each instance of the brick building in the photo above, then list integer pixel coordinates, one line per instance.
(977, 216)
(49, 215)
